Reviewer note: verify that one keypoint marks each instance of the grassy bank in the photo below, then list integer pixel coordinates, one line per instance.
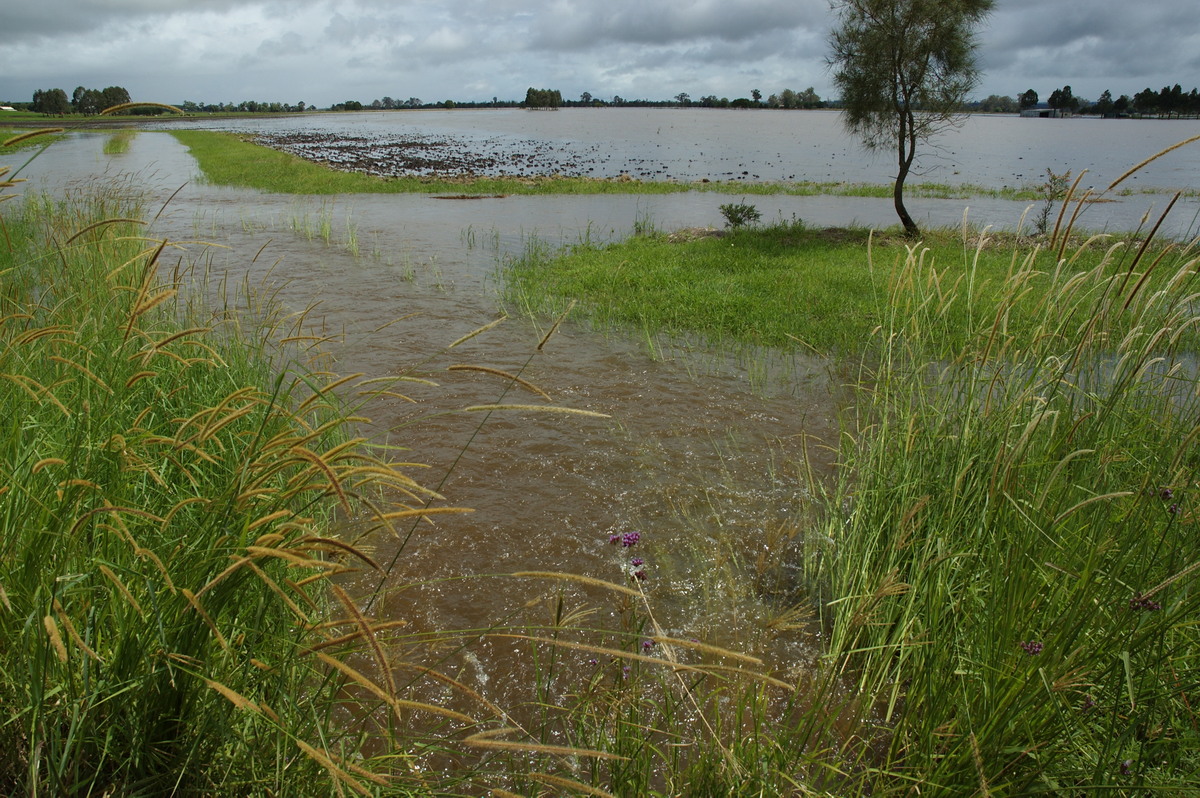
(229, 160)
(827, 289)
(1010, 564)
(1007, 572)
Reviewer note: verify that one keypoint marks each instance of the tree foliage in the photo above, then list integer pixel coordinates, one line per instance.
(1063, 99)
(51, 101)
(542, 98)
(904, 69)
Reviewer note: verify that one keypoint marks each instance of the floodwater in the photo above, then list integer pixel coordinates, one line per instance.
(688, 145)
(701, 452)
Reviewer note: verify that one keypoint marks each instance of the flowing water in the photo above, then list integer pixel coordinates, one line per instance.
(705, 454)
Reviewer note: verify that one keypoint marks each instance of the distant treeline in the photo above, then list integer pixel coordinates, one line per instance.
(54, 102)
(1168, 102)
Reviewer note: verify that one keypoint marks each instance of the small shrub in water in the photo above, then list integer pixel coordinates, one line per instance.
(1053, 190)
(739, 214)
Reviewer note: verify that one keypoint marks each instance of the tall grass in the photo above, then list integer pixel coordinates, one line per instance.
(1010, 575)
(167, 492)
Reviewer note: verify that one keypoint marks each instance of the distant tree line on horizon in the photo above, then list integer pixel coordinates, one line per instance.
(1168, 102)
(89, 102)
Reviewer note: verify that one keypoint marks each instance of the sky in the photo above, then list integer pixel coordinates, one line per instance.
(327, 51)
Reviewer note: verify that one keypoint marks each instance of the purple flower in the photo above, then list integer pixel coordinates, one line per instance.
(1032, 648)
(1139, 602)
(1166, 494)
(1173, 509)
(637, 562)
(1126, 767)
(639, 575)
(630, 539)
(1088, 703)
(614, 539)
(647, 645)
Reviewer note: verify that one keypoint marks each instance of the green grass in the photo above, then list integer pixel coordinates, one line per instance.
(168, 487)
(788, 284)
(1010, 564)
(227, 159)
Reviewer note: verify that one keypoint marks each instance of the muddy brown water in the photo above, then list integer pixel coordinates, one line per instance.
(700, 452)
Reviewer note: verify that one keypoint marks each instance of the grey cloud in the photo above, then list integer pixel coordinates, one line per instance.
(288, 44)
(581, 24)
(50, 18)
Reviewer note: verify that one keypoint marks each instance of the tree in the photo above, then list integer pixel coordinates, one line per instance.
(586, 98)
(998, 104)
(683, 98)
(1063, 99)
(904, 69)
(1029, 99)
(113, 95)
(87, 101)
(51, 101)
(542, 98)
(1146, 101)
(809, 99)
(757, 95)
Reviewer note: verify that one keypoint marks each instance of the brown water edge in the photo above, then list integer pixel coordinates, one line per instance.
(714, 469)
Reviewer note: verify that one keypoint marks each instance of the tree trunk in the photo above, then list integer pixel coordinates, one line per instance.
(910, 227)
(908, 151)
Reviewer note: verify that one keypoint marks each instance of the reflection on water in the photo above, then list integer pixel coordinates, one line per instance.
(692, 144)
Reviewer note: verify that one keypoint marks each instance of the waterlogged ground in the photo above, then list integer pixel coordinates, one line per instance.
(697, 451)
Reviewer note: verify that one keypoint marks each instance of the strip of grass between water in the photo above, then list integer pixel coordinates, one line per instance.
(231, 160)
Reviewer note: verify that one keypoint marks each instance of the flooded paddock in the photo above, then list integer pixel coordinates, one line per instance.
(699, 450)
(711, 457)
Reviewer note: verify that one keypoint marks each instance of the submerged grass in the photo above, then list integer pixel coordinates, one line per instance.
(118, 142)
(228, 159)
